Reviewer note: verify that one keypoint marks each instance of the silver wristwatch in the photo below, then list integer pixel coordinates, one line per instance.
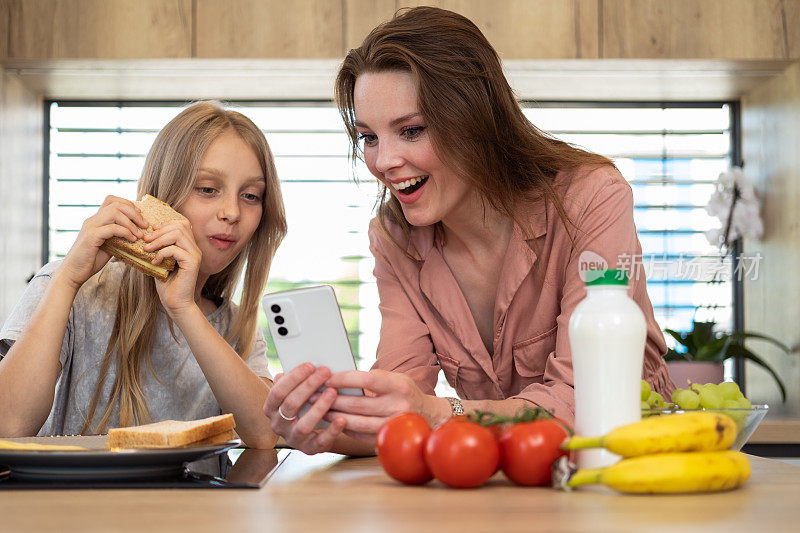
(455, 405)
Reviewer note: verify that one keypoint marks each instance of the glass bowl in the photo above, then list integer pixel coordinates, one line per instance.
(747, 420)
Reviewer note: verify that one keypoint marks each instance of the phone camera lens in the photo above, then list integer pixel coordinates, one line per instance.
(279, 319)
(282, 331)
(276, 308)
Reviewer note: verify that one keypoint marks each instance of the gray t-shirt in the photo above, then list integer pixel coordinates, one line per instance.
(178, 391)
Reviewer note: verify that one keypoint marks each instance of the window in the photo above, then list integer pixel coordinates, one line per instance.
(671, 155)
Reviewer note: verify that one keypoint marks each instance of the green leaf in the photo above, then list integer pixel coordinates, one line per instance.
(715, 351)
(702, 333)
(673, 355)
(684, 340)
(750, 335)
(737, 350)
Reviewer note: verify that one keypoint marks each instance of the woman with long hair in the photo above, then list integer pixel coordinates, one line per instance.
(95, 344)
(482, 226)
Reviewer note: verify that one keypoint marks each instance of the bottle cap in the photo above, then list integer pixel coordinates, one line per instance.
(606, 277)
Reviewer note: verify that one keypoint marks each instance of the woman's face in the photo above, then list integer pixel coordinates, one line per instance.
(399, 152)
(225, 204)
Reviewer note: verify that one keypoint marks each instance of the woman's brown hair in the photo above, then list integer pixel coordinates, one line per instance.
(169, 174)
(476, 124)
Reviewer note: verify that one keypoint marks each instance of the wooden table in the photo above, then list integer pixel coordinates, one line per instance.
(330, 493)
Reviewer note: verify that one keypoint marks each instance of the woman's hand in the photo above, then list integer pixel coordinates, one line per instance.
(288, 395)
(174, 239)
(117, 217)
(387, 394)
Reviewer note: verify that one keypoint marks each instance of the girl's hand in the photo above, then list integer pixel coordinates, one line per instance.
(117, 217)
(174, 239)
(387, 394)
(288, 395)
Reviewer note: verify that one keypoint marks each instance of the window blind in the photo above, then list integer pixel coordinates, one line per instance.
(671, 154)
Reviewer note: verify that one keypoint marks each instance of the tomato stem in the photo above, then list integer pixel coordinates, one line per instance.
(526, 414)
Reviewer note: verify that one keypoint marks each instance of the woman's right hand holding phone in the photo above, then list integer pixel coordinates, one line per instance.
(288, 395)
(117, 217)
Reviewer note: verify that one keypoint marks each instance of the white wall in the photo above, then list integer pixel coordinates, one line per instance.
(21, 141)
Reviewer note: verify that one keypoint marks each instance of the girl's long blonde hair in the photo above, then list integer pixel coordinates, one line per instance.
(169, 174)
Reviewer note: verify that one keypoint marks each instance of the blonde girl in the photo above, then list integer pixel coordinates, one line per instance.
(95, 344)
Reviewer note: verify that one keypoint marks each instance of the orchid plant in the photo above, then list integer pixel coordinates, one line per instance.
(735, 203)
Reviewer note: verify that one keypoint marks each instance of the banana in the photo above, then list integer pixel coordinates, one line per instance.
(689, 432)
(670, 473)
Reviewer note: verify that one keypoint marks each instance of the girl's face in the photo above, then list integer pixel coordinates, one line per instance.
(225, 205)
(399, 152)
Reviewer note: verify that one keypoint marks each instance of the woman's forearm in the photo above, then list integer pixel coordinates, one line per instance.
(237, 389)
(30, 369)
(350, 446)
(440, 410)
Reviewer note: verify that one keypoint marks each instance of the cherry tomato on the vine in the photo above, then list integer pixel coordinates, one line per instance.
(401, 448)
(529, 450)
(462, 454)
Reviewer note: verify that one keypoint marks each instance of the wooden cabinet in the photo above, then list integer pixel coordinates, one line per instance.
(519, 29)
(522, 29)
(360, 16)
(268, 28)
(700, 29)
(107, 29)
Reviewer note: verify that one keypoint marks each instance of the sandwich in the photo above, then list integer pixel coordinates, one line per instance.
(154, 212)
(174, 433)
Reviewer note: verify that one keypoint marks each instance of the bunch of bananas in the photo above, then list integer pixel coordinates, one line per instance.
(666, 454)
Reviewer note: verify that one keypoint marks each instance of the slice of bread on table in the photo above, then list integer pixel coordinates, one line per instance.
(174, 433)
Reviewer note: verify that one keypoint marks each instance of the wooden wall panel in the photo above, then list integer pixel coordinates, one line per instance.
(114, 29)
(791, 15)
(360, 16)
(770, 136)
(20, 188)
(269, 28)
(522, 29)
(707, 29)
(4, 12)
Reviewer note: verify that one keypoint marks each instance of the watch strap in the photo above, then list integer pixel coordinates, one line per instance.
(455, 406)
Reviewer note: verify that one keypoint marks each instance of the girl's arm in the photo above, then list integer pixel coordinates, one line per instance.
(30, 369)
(237, 389)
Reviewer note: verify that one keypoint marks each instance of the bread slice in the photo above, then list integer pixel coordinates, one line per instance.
(169, 433)
(225, 436)
(154, 212)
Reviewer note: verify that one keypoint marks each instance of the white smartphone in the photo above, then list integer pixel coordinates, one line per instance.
(307, 327)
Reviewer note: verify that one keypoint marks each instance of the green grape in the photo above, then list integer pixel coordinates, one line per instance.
(738, 416)
(710, 398)
(698, 388)
(655, 400)
(686, 399)
(744, 403)
(729, 390)
(645, 390)
(676, 394)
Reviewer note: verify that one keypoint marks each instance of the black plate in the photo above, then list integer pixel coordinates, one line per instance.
(98, 463)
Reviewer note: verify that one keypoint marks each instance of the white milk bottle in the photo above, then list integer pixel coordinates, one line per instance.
(607, 335)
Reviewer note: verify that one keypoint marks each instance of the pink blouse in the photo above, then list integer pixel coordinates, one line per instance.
(427, 324)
